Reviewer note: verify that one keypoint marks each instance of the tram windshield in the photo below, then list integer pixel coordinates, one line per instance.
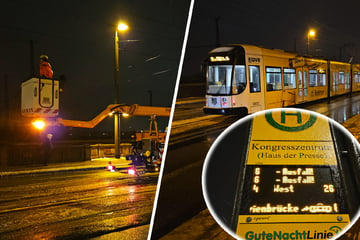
(220, 79)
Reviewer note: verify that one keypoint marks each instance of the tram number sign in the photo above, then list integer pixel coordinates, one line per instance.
(253, 59)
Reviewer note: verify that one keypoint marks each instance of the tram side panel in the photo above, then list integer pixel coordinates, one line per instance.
(278, 94)
(269, 78)
(285, 86)
(255, 90)
(355, 77)
(317, 80)
(339, 78)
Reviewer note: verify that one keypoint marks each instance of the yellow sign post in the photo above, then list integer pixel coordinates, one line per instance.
(292, 188)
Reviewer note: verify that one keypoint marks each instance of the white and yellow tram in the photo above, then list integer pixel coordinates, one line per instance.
(246, 79)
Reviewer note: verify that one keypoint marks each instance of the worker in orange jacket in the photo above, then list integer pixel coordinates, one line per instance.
(45, 67)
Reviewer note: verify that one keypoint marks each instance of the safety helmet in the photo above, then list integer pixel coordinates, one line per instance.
(44, 57)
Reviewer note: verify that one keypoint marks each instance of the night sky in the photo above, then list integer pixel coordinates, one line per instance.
(78, 37)
(274, 24)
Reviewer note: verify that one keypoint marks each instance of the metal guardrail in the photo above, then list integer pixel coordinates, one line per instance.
(33, 153)
(108, 150)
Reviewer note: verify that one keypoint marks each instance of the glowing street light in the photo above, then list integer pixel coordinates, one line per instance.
(311, 33)
(121, 27)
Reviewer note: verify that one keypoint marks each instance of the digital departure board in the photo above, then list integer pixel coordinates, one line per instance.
(290, 190)
(292, 177)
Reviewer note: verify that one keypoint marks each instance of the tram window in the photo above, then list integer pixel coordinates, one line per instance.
(300, 83)
(313, 78)
(341, 78)
(335, 81)
(305, 83)
(239, 83)
(289, 78)
(356, 77)
(347, 80)
(254, 73)
(273, 78)
(219, 79)
(322, 78)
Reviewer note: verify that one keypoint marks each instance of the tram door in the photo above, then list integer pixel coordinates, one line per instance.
(302, 81)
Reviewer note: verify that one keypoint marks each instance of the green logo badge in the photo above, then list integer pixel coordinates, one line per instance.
(335, 229)
(282, 125)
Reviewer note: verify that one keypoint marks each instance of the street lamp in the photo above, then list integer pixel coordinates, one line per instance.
(120, 28)
(311, 33)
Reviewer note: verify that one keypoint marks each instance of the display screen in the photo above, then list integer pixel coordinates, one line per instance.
(219, 58)
(302, 189)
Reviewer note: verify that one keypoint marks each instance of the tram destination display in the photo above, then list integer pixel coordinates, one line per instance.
(290, 190)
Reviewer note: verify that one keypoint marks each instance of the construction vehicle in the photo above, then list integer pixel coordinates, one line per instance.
(40, 101)
(148, 149)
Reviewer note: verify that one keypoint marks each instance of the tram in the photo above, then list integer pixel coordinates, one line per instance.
(244, 79)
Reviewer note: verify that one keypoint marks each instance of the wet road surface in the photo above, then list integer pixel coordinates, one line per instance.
(182, 172)
(76, 205)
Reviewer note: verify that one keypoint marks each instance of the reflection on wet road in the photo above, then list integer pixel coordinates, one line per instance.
(75, 205)
(339, 109)
(183, 166)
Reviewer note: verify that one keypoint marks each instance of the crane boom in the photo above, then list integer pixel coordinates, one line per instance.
(133, 110)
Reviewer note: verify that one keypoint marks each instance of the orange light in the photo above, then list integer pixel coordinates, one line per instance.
(39, 124)
(312, 33)
(122, 26)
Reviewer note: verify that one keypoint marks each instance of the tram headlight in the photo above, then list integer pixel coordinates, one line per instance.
(131, 171)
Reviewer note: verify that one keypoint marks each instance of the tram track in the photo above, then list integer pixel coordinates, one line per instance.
(95, 193)
(121, 219)
(182, 175)
(57, 203)
(183, 132)
(78, 206)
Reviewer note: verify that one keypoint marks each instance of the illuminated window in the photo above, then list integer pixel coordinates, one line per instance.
(347, 80)
(356, 77)
(273, 79)
(313, 78)
(219, 79)
(289, 78)
(254, 73)
(335, 81)
(239, 83)
(305, 83)
(322, 77)
(300, 83)
(341, 78)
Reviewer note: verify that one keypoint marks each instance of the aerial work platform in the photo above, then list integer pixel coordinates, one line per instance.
(40, 97)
